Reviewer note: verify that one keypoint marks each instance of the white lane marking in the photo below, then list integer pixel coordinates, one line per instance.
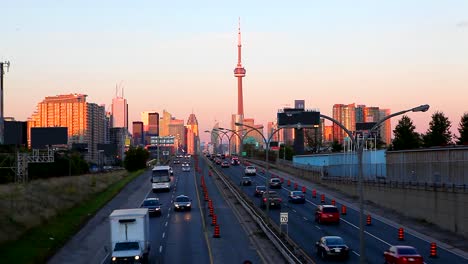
(160, 249)
(356, 253)
(318, 227)
(168, 215)
(294, 211)
(165, 224)
(105, 258)
(164, 234)
(305, 218)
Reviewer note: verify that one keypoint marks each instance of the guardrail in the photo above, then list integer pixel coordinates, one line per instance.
(290, 251)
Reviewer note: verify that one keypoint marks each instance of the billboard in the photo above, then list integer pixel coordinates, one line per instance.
(298, 118)
(16, 133)
(41, 137)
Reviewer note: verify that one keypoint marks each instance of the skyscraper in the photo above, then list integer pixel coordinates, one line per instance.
(164, 124)
(386, 128)
(346, 115)
(119, 111)
(137, 133)
(85, 121)
(153, 124)
(192, 134)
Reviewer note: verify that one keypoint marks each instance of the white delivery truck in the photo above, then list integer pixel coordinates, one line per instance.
(129, 235)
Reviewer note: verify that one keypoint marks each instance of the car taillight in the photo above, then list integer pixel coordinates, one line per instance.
(264, 199)
(280, 199)
(404, 259)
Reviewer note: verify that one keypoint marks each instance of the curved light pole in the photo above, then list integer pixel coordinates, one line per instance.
(225, 134)
(267, 160)
(214, 131)
(421, 108)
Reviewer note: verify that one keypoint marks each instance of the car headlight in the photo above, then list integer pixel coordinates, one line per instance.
(176, 205)
(137, 257)
(114, 258)
(189, 204)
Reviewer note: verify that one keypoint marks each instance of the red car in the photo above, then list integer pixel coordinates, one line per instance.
(402, 254)
(327, 214)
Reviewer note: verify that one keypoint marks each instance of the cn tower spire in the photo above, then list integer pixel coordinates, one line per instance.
(239, 73)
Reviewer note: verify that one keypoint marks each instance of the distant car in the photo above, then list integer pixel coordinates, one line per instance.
(275, 183)
(225, 164)
(185, 167)
(327, 214)
(273, 199)
(235, 161)
(250, 170)
(176, 161)
(171, 171)
(259, 190)
(246, 181)
(332, 246)
(296, 197)
(153, 205)
(182, 202)
(402, 254)
(218, 161)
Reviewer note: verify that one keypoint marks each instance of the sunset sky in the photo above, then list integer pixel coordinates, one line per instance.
(180, 55)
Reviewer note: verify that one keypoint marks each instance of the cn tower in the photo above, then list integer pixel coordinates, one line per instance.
(239, 73)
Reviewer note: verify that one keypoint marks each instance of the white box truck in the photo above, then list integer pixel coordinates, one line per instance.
(129, 235)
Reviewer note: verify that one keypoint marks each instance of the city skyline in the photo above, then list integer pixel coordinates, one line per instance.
(167, 56)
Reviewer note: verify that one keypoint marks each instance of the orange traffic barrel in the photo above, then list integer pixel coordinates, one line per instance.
(322, 198)
(206, 196)
(216, 231)
(295, 186)
(211, 211)
(289, 182)
(202, 180)
(210, 203)
(343, 210)
(368, 220)
(213, 220)
(401, 234)
(303, 189)
(433, 251)
(333, 202)
(314, 193)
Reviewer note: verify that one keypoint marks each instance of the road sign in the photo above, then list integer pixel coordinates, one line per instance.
(284, 218)
(165, 152)
(244, 153)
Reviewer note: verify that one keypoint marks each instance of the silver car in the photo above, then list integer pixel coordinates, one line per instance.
(182, 202)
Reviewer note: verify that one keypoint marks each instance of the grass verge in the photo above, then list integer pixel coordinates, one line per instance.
(39, 243)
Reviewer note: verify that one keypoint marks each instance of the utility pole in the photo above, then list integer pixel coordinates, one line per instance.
(3, 65)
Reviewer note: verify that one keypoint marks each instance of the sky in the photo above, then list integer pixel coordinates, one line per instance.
(180, 55)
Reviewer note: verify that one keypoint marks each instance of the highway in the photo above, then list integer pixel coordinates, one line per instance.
(175, 237)
(305, 231)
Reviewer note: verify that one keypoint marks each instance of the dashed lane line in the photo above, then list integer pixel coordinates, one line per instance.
(160, 248)
(164, 234)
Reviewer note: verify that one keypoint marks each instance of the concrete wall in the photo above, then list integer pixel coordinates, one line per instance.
(445, 207)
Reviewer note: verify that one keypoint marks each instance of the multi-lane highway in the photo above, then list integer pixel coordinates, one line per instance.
(175, 237)
(305, 231)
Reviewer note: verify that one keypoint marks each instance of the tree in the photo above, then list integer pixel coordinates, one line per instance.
(438, 133)
(136, 158)
(405, 136)
(336, 146)
(463, 130)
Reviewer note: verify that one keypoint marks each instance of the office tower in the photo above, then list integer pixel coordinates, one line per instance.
(119, 111)
(271, 127)
(386, 127)
(346, 115)
(153, 124)
(360, 118)
(137, 133)
(164, 124)
(177, 129)
(85, 121)
(371, 114)
(192, 134)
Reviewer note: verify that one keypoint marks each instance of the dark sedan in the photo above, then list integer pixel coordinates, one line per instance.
(153, 205)
(332, 246)
(246, 181)
(259, 190)
(296, 197)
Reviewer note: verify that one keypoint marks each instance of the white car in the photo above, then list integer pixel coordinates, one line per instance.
(250, 170)
(185, 167)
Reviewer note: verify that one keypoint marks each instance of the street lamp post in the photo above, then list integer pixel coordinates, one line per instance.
(267, 146)
(421, 108)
